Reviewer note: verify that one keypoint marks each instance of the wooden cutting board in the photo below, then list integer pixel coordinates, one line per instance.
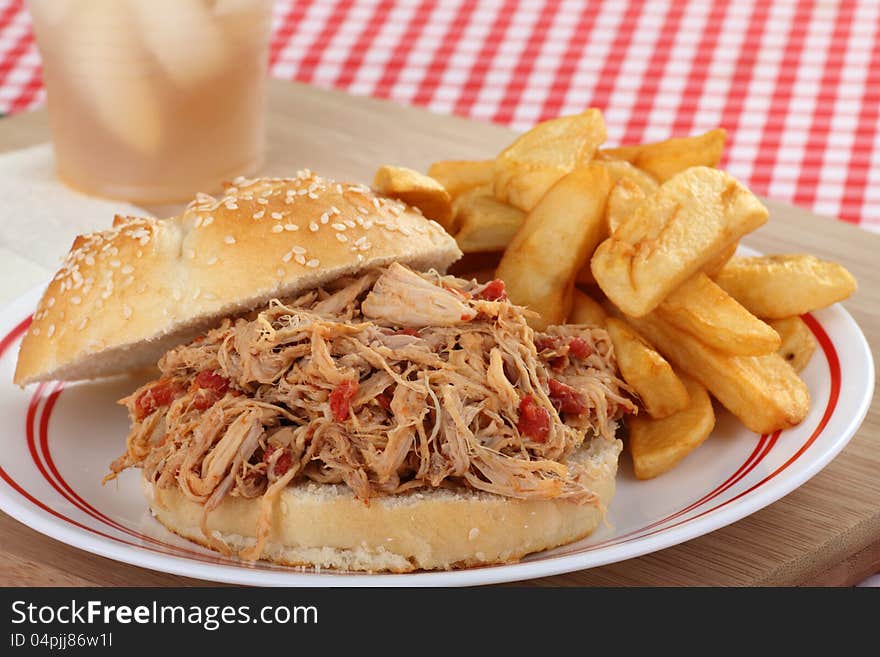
(826, 532)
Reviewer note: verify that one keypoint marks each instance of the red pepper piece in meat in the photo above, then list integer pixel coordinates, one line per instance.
(340, 400)
(579, 348)
(566, 399)
(384, 401)
(155, 397)
(494, 291)
(282, 465)
(534, 421)
(211, 387)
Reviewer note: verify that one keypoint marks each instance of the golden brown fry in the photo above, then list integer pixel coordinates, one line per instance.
(672, 234)
(625, 197)
(484, 223)
(620, 169)
(708, 313)
(798, 341)
(586, 310)
(416, 189)
(556, 238)
(762, 391)
(664, 159)
(526, 169)
(714, 265)
(662, 393)
(780, 286)
(656, 446)
(458, 176)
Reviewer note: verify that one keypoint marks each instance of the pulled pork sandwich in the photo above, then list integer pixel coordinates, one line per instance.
(325, 396)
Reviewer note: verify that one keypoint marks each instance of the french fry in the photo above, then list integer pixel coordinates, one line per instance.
(555, 240)
(458, 176)
(779, 286)
(762, 391)
(657, 445)
(662, 393)
(586, 310)
(484, 223)
(416, 189)
(798, 342)
(673, 233)
(532, 164)
(620, 169)
(708, 313)
(666, 158)
(623, 201)
(715, 265)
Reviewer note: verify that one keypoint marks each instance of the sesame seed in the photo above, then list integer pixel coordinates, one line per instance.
(313, 227)
(301, 259)
(375, 203)
(115, 264)
(360, 258)
(260, 214)
(297, 249)
(334, 209)
(313, 196)
(276, 215)
(325, 219)
(349, 223)
(291, 227)
(82, 324)
(126, 311)
(208, 221)
(360, 240)
(229, 239)
(50, 302)
(280, 272)
(75, 301)
(51, 330)
(341, 237)
(338, 226)
(277, 228)
(312, 263)
(231, 206)
(35, 330)
(127, 269)
(198, 221)
(286, 257)
(263, 201)
(363, 210)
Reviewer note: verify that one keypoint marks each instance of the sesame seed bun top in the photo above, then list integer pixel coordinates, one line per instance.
(125, 296)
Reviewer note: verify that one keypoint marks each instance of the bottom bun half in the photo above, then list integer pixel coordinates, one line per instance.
(325, 526)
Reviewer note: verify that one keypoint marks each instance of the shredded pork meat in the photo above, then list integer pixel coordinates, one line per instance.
(387, 382)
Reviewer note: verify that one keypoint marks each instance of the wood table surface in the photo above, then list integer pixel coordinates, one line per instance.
(827, 532)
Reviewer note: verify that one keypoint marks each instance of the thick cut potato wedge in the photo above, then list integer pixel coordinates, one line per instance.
(715, 264)
(484, 223)
(416, 189)
(708, 313)
(656, 446)
(555, 240)
(625, 198)
(664, 159)
(458, 176)
(764, 392)
(779, 286)
(586, 310)
(798, 341)
(662, 393)
(672, 235)
(532, 164)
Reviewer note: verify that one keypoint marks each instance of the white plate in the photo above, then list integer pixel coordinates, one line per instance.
(58, 440)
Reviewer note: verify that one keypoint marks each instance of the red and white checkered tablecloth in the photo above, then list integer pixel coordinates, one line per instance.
(795, 82)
